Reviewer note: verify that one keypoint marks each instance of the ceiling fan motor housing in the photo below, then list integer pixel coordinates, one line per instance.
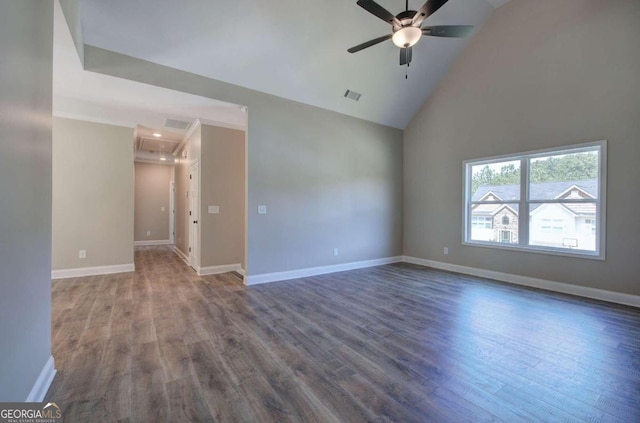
(405, 18)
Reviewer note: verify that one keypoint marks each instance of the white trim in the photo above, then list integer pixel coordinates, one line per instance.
(151, 161)
(40, 388)
(565, 288)
(92, 271)
(225, 268)
(155, 242)
(180, 254)
(172, 210)
(245, 259)
(192, 129)
(322, 270)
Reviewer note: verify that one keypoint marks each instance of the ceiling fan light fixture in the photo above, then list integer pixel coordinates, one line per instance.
(407, 36)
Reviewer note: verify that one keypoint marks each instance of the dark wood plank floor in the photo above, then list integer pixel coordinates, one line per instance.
(393, 343)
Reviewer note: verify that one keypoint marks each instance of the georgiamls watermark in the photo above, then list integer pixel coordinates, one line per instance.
(30, 412)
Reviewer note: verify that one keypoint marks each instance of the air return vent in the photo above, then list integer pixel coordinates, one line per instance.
(177, 124)
(352, 95)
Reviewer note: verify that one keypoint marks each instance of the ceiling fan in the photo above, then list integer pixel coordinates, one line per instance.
(406, 30)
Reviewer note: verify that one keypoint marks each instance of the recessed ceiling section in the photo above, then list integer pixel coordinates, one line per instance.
(94, 97)
(157, 145)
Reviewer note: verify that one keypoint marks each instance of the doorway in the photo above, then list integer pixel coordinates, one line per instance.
(194, 206)
(172, 212)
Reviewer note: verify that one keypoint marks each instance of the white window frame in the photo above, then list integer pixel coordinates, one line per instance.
(524, 202)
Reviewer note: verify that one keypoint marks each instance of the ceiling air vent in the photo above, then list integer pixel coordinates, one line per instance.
(352, 95)
(177, 124)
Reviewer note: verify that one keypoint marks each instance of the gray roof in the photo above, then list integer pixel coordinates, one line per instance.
(542, 190)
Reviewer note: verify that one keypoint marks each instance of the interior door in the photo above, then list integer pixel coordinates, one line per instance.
(172, 212)
(194, 206)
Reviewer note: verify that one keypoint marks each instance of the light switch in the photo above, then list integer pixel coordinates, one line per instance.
(262, 209)
(214, 209)
(162, 208)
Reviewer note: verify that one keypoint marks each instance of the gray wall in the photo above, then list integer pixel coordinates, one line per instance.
(151, 195)
(539, 74)
(222, 184)
(92, 194)
(328, 180)
(26, 46)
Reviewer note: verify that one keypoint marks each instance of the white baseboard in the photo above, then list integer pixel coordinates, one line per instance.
(92, 271)
(155, 242)
(180, 254)
(225, 268)
(565, 288)
(43, 382)
(313, 271)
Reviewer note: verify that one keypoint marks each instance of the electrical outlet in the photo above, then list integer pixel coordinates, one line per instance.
(82, 254)
(162, 208)
(262, 209)
(148, 233)
(446, 250)
(335, 252)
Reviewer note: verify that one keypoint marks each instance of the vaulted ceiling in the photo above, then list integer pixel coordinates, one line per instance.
(296, 49)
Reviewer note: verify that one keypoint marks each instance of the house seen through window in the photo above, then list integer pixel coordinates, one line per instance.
(547, 201)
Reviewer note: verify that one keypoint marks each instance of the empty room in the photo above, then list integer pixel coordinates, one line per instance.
(335, 211)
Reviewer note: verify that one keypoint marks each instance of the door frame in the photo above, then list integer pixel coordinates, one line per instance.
(194, 208)
(172, 212)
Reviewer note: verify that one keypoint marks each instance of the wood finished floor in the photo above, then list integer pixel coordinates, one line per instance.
(393, 343)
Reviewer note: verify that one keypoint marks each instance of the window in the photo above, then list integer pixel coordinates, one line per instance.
(552, 225)
(550, 201)
(481, 222)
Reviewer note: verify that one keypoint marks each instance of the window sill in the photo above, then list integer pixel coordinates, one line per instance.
(532, 249)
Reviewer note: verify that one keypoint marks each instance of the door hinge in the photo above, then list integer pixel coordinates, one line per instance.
(189, 176)
(189, 249)
(189, 212)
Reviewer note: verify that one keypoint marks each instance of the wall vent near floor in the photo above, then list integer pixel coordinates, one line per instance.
(352, 95)
(176, 123)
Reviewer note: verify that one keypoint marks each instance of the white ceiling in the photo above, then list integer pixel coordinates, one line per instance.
(295, 49)
(94, 97)
(498, 3)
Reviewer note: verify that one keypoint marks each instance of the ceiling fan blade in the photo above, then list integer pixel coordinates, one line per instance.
(427, 9)
(369, 43)
(405, 56)
(379, 11)
(451, 31)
